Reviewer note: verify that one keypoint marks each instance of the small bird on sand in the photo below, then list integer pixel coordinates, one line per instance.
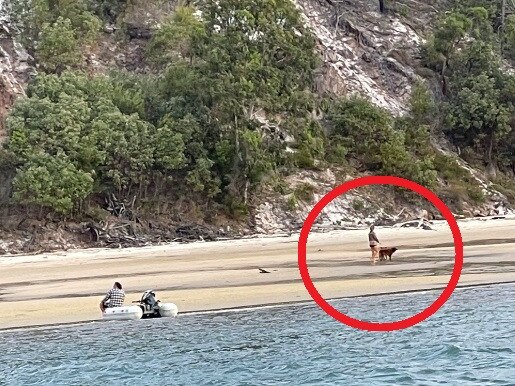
(261, 270)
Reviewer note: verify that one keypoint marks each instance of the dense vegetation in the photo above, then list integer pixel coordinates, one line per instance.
(479, 91)
(209, 121)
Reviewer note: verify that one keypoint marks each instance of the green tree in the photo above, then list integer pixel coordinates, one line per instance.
(55, 31)
(260, 47)
(476, 90)
(422, 105)
(57, 48)
(397, 160)
(448, 34)
(491, 9)
(242, 57)
(363, 127)
(51, 182)
(201, 178)
(449, 38)
(177, 38)
(41, 125)
(168, 149)
(198, 120)
(28, 17)
(127, 143)
(509, 37)
(478, 118)
(367, 134)
(126, 91)
(78, 117)
(85, 24)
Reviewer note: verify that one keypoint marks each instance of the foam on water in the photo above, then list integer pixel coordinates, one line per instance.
(469, 341)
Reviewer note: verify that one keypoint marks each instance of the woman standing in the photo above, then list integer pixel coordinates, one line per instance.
(373, 241)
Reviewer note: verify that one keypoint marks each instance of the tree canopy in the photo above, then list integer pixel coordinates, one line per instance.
(228, 101)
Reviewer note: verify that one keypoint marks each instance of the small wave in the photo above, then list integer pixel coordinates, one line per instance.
(452, 350)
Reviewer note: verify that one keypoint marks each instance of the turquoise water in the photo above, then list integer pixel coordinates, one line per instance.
(470, 341)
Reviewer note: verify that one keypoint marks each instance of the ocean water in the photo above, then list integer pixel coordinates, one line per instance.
(470, 341)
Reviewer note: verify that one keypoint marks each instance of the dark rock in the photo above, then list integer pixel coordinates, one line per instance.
(136, 32)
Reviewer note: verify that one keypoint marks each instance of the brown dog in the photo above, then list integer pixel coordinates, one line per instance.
(385, 252)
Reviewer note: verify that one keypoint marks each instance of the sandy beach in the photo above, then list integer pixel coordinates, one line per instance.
(66, 287)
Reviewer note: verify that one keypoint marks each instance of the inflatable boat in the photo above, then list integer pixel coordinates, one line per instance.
(146, 308)
(123, 313)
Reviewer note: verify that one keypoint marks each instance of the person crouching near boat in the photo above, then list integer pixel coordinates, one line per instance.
(373, 241)
(114, 297)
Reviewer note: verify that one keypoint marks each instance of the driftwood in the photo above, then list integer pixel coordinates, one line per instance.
(126, 229)
(129, 233)
(120, 209)
(420, 223)
(195, 232)
(334, 227)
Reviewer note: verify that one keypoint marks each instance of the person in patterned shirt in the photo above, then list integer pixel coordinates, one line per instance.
(114, 297)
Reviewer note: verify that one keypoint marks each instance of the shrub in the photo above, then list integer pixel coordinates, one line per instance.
(448, 168)
(56, 31)
(176, 38)
(369, 134)
(236, 207)
(358, 205)
(336, 150)
(422, 105)
(109, 10)
(304, 192)
(506, 186)
(475, 193)
(57, 47)
(362, 128)
(292, 202)
(396, 160)
(303, 158)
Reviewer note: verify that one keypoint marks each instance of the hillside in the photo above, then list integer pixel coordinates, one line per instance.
(145, 121)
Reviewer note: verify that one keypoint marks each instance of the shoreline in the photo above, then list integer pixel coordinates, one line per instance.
(312, 302)
(258, 306)
(66, 287)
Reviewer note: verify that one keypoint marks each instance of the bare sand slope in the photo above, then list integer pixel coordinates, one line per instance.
(67, 286)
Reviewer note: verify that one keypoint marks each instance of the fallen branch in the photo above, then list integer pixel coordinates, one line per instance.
(420, 223)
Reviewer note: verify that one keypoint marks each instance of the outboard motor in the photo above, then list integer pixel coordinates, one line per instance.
(149, 299)
(153, 308)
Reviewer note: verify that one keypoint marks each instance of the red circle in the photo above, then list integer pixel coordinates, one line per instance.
(387, 326)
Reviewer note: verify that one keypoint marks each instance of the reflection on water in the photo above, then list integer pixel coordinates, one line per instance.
(469, 341)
